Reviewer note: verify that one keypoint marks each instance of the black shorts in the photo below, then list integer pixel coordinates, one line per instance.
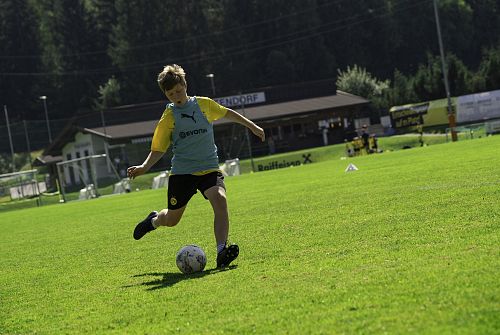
(181, 187)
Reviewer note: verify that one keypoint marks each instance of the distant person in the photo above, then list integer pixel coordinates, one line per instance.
(372, 140)
(349, 150)
(272, 145)
(357, 144)
(420, 131)
(365, 138)
(186, 123)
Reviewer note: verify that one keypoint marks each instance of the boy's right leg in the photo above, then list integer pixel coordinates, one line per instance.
(145, 226)
(166, 217)
(180, 189)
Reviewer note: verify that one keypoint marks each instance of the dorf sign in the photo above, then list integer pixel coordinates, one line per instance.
(243, 99)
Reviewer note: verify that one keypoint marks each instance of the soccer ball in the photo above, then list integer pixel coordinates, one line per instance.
(191, 258)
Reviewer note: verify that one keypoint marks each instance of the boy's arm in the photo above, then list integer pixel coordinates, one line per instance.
(137, 170)
(159, 145)
(238, 118)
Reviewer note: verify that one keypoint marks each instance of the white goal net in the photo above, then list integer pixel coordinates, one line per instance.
(89, 177)
(21, 185)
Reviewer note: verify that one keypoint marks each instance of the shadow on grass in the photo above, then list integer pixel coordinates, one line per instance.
(169, 279)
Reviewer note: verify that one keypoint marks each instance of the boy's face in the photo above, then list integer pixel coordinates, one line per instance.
(177, 94)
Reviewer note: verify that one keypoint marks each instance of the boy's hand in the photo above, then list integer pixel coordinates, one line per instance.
(135, 171)
(259, 132)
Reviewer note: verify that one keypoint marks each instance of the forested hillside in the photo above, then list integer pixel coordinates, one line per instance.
(88, 54)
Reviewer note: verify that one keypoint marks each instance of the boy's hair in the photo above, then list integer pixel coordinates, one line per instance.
(170, 76)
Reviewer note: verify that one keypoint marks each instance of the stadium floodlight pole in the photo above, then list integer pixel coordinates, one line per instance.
(10, 138)
(28, 146)
(44, 99)
(242, 102)
(212, 82)
(451, 112)
(103, 122)
(106, 148)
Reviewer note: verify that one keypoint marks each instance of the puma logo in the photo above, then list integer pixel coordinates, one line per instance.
(188, 116)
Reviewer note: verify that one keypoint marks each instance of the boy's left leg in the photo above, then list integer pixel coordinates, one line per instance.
(217, 197)
(225, 254)
(214, 190)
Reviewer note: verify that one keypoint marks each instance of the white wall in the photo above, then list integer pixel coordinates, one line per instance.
(84, 145)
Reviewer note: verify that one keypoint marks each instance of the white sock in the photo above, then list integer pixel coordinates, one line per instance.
(220, 247)
(154, 222)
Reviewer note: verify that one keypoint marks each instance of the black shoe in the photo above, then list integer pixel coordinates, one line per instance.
(145, 226)
(227, 255)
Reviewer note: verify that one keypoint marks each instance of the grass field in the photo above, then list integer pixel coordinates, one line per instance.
(319, 154)
(409, 244)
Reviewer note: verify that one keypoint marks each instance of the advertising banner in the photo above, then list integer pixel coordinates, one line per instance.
(478, 107)
(432, 113)
(408, 115)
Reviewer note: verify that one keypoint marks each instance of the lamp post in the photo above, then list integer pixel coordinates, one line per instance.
(10, 138)
(451, 112)
(44, 99)
(28, 146)
(212, 82)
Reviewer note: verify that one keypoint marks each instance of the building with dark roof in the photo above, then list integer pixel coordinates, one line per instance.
(294, 117)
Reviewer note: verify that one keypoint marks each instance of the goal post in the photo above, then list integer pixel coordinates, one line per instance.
(22, 185)
(87, 177)
(469, 131)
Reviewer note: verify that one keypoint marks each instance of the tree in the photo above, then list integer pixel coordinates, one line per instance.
(459, 76)
(488, 75)
(66, 49)
(456, 19)
(428, 82)
(263, 31)
(401, 91)
(279, 68)
(485, 25)
(358, 81)
(109, 95)
(238, 64)
(19, 47)
(412, 34)
(358, 32)
(69, 53)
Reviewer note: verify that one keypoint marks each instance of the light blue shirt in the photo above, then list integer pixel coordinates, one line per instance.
(193, 141)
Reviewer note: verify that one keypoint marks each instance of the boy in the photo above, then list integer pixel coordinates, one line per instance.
(186, 123)
(365, 138)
